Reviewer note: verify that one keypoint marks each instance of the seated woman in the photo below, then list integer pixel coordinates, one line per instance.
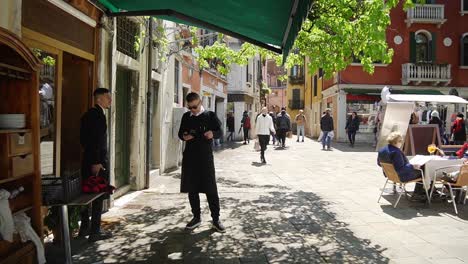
(392, 154)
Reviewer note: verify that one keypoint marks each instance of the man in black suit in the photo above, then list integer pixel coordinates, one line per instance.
(93, 138)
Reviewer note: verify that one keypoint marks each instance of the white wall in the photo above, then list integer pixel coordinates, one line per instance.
(10, 15)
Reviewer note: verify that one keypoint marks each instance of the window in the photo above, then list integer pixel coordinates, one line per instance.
(176, 82)
(465, 6)
(295, 70)
(423, 47)
(247, 73)
(127, 33)
(464, 50)
(315, 85)
(320, 73)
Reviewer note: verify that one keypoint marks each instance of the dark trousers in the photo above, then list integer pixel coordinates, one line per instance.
(230, 136)
(352, 136)
(246, 134)
(213, 203)
(96, 212)
(282, 136)
(263, 140)
(96, 205)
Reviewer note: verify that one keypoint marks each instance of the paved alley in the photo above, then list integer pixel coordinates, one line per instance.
(305, 206)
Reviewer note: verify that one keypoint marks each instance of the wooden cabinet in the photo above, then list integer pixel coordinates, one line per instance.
(19, 148)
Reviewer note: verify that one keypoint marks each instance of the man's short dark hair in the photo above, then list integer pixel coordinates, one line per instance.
(100, 91)
(192, 97)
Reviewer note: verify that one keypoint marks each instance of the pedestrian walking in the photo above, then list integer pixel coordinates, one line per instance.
(273, 135)
(283, 123)
(300, 122)
(459, 130)
(352, 126)
(230, 126)
(246, 125)
(198, 128)
(264, 127)
(326, 125)
(93, 139)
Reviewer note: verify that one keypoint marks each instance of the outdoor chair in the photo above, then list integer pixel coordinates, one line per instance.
(461, 184)
(392, 176)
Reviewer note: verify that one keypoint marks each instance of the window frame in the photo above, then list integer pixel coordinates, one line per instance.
(463, 8)
(464, 51)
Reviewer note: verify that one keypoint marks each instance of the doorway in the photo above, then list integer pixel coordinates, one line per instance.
(122, 126)
(76, 86)
(155, 136)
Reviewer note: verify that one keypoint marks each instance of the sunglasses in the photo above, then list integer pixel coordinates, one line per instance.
(193, 107)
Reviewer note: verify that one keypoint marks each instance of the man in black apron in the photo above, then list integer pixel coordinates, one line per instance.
(198, 128)
(93, 138)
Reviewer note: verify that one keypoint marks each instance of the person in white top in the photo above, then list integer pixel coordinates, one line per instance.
(264, 127)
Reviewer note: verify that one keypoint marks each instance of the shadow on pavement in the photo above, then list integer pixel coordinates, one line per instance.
(270, 227)
(359, 147)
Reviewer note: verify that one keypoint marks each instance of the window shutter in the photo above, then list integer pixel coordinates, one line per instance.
(412, 47)
(463, 62)
(434, 47)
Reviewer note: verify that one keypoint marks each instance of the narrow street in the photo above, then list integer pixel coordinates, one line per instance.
(305, 206)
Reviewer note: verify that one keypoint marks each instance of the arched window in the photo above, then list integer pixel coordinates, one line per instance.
(464, 50)
(422, 48)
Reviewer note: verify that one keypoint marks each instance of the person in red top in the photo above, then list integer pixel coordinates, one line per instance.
(245, 124)
(459, 130)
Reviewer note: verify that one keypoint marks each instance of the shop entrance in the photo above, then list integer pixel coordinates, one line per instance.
(76, 87)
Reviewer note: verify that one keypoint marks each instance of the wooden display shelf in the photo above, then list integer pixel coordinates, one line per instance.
(13, 68)
(19, 252)
(11, 179)
(8, 131)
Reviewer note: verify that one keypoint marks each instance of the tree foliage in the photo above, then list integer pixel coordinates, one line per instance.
(334, 34)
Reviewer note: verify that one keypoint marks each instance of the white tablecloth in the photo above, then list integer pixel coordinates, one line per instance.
(431, 166)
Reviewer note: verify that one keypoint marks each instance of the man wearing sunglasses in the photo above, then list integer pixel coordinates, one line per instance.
(198, 128)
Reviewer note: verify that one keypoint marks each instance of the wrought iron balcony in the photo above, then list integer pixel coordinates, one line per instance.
(296, 104)
(433, 73)
(426, 14)
(297, 79)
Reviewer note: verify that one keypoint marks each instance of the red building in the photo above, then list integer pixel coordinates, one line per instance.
(430, 42)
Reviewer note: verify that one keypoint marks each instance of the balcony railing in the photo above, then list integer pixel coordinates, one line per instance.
(433, 73)
(426, 14)
(297, 79)
(296, 104)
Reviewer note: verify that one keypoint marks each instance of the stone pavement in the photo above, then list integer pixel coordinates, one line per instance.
(305, 206)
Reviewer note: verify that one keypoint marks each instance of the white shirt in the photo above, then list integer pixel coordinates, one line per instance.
(202, 109)
(47, 92)
(264, 125)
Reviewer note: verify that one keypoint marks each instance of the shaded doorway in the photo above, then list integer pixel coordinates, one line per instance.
(76, 87)
(122, 126)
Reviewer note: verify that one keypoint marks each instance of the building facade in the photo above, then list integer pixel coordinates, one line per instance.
(430, 42)
(243, 86)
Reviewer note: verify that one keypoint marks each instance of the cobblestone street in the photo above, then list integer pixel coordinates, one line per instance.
(305, 206)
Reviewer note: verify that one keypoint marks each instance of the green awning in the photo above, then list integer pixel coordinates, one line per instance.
(269, 24)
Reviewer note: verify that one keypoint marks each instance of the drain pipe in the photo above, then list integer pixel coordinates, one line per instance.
(149, 102)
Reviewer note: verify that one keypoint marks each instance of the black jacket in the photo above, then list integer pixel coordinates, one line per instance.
(283, 122)
(198, 171)
(352, 125)
(93, 136)
(326, 123)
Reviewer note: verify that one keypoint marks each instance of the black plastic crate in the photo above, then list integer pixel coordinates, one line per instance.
(59, 190)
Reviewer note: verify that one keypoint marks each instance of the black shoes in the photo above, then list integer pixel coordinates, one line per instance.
(99, 236)
(84, 231)
(218, 226)
(194, 223)
(263, 160)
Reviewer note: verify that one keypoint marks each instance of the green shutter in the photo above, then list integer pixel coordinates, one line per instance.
(412, 47)
(434, 47)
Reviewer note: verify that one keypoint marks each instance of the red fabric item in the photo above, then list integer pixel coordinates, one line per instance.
(97, 184)
(461, 152)
(458, 126)
(247, 122)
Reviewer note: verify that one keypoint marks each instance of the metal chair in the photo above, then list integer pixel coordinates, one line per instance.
(392, 176)
(460, 184)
